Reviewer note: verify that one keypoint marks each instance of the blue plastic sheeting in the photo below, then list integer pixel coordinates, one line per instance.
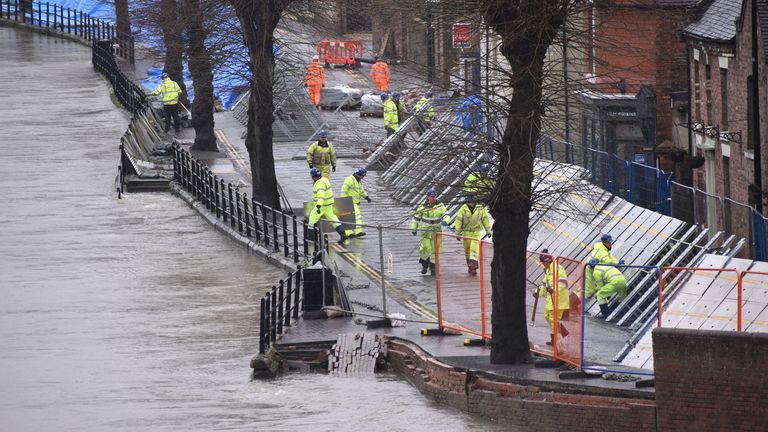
(469, 114)
(222, 86)
(93, 8)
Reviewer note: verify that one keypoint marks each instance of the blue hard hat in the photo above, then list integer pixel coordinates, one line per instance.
(606, 238)
(323, 134)
(314, 172)
(484, 167)
(361, 172)
(385, 95)
(431, 192)
(428, 94)
(395, 95)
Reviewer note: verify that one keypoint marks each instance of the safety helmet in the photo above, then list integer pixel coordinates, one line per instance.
(606, 238)
(315, 58)
(428, 94)
(544, 256)
(323, 133)
(361, 172)
(384, 96)
(165, 75)
(395, 95)
(484, 167)
(314, 172)
(431, 192)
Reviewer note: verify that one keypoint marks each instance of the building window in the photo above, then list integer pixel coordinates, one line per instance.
(726, 177)
(708, 84)
(697, 90)
(724, 99)
(750, 115)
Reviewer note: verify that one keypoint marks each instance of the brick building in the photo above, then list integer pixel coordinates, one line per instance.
(722, 115)
(635, 77)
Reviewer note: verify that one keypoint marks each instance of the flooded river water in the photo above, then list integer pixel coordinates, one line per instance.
(135, 314)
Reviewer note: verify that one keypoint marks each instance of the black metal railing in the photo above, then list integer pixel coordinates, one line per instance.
(128, 93)
(280, 308)
(279, 231)
(69, 21)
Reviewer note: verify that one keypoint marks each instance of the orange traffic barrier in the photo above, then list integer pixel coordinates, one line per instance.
(339, 52)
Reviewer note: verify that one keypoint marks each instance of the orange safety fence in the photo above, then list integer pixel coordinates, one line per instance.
(569, 329)
(460, 294)
(340, 52)
(753, 302)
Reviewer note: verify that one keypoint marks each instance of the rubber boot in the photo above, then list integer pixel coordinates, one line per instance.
(605, 310)
(473, 265)
(551, 340)
(424, 265)
(342, 234)
(563, 331)
(432, 269)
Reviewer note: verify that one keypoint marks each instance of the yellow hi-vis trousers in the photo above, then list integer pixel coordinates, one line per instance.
(326, 212)
(427, 246)
(358, 228)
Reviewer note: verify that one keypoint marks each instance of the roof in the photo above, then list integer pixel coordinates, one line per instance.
(718, 22)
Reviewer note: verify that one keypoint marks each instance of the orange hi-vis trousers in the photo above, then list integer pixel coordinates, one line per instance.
(314, 91)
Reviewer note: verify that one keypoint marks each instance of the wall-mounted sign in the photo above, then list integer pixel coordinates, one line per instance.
(462, 35)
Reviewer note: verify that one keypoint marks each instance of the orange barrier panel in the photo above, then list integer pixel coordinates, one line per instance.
(570, 329)
(460, 296)
(753, 302)
(708, 295)
(339, 52)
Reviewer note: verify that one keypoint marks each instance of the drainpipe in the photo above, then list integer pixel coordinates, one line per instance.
(756, 110)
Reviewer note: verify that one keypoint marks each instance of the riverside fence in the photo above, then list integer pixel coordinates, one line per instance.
(68, 21)
(279, 231)
(652, 188)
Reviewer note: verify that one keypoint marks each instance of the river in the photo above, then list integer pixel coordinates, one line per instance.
(134, 314)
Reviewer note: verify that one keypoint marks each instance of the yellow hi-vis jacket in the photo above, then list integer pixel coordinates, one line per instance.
(353, 188)
(602, 254)
(170, 91)
(318, 155)
(563, 296)
(476, 184)
(469, 222)
(429, 112)
(429, 217)
(391, 115)
(322, 192)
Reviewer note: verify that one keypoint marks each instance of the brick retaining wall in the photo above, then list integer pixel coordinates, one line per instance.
(529, 405)
(711, 381)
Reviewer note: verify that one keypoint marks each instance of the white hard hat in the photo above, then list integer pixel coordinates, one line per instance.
(314, 58)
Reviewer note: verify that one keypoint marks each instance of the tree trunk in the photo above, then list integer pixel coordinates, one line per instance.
(258, 19)
(527, 28)
(123, 22)
(174, 44)
(202, 77)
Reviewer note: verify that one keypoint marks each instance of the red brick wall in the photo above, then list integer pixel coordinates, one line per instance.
(533, 406)
(711, 381)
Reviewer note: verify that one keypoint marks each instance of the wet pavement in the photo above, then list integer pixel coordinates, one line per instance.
(133, 314)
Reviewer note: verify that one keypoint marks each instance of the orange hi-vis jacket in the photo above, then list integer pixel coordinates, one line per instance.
(380, 72)
(315, 74)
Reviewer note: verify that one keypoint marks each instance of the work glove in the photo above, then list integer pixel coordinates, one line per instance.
(333, 169)
(593, 262)
(311, 166)
(368, 199)
(621, 263)
(318, 209)
(323, 85)
(487, 236)
(413, 232)
(535, 294)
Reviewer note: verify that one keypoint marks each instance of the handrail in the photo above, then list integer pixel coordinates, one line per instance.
(75, 23)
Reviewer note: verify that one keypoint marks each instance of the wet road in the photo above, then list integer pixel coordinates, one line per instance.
(134, 314)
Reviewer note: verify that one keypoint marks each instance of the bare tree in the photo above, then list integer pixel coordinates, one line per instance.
(174, 43)
(258, 20)
(202, 76)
